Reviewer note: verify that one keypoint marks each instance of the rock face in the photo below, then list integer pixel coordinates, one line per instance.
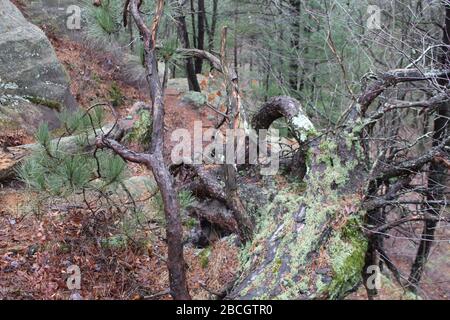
(59, 15)
(33, 84)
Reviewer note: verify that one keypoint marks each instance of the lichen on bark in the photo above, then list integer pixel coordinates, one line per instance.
(310, 245)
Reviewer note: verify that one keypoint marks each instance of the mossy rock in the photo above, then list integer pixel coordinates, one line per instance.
(34, 85)
(50, 14)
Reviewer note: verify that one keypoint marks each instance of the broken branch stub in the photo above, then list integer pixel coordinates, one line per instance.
(288, 108)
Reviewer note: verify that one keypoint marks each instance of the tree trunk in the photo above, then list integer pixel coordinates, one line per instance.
(235, 114)
(312, 244)
(184, 40)
(212, 30)
(194, 32)
(267, 76)
(437, 178)
(295, 44)
(154, 159)
(201, 34)
(235, 43)
(309, 245)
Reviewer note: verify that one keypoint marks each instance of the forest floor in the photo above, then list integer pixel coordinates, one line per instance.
(35, 251)
(37, 247)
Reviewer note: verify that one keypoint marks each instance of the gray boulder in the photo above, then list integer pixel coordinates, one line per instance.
(58, 15)
(34, 86)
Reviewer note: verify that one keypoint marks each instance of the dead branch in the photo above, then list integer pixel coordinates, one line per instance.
(153, 159)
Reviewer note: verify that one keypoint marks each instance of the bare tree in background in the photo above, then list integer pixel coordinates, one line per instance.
(183, 35)
(360, 170)
(154, 159)
(437, 177)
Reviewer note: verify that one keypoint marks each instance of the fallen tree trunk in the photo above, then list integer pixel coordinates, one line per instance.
(301, 127)
(311, 245)
(215, 213)
(282, 107)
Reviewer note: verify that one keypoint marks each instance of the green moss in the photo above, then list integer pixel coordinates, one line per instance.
(347, 249)
(341, 250)
(321, 287)
(350, 140)
(327, 147)
(52, 104)
(411, 296)
(357, 127)
(204, 257)
(277, 265)
(142, 128)
(191, 223)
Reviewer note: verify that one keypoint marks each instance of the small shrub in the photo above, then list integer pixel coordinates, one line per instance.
(204, 257)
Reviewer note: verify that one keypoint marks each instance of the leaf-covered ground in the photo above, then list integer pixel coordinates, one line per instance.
(37, 247)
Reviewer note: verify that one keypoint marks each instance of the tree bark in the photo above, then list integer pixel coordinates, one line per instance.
(245, 225)
(201, 16)
(235, 42)
(313, 245)
(194, 33)
(212, 29)
(184, 40)
(295, 44)
(437, 178)
(154, 159)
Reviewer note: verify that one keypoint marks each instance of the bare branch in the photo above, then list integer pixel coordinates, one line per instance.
(121, 150)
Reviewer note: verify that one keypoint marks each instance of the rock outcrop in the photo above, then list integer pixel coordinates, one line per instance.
(34, 86)
(58, 15)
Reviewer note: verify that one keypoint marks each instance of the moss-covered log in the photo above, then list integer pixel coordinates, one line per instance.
(309, 245)
(287, 108)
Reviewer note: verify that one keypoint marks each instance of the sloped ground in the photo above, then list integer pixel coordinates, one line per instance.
(36, 251)
(435, 282)
(35, 254)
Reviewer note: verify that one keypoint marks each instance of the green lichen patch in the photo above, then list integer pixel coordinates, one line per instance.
(52, 104)
(302, 127)
(300, 234)
(347, 250)
(142, 128)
